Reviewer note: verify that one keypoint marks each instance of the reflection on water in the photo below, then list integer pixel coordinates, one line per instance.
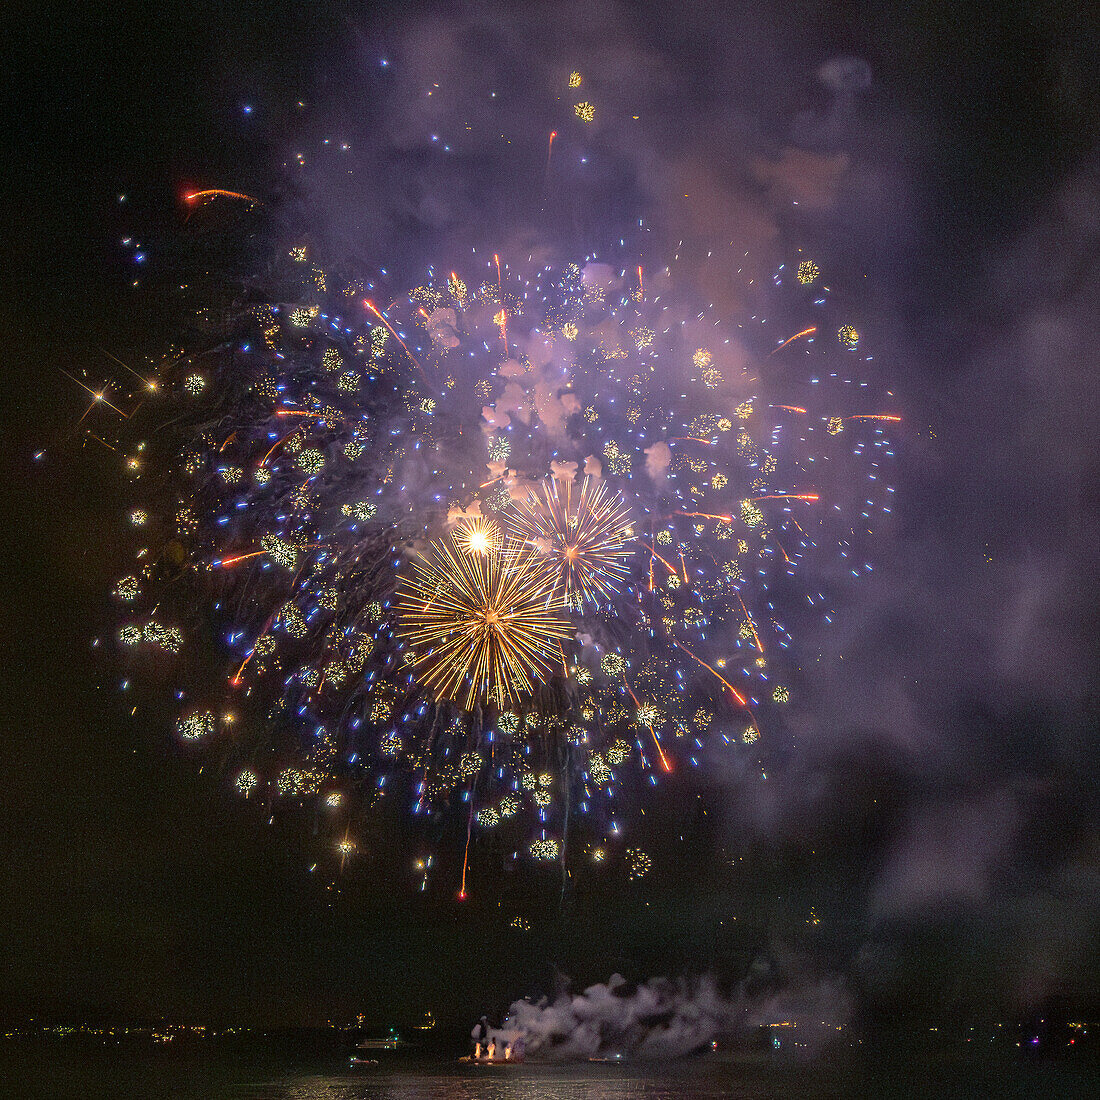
(41, 1072)
(31, 1073)
(514, 1083)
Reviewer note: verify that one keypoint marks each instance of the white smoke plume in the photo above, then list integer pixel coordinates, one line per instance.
(663, 1019)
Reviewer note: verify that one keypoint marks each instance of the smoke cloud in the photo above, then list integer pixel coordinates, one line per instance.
(662, 1019)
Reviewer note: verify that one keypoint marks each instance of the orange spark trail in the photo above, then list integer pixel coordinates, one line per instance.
(502, 317)
(789, 408)
(103, 441)
(276, 444)
(549, 152)
(736, 694)
(704, 515)
(641, 285)
(466, 854)
(214, 191)
(748, 619)
(653, 733)
(875, 416)
(235, 681)
(375, 310)
(226, 562)
(805, 332)
(670, 568)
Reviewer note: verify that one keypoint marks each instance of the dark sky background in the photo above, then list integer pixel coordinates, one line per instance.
(938, 805)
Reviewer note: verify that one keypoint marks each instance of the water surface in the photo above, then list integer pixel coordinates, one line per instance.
(59, 1071)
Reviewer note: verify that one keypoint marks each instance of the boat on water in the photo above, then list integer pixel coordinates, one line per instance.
(469, 1059)
(389, 1043)
(361, 1056)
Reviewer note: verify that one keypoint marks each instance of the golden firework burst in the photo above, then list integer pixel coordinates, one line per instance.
(481, 625)
(478, 535)
(586, 535)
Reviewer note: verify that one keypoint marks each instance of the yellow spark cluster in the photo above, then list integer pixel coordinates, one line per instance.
(194, 726)
(311, 460)
(613, 664)
(361, 512)
(848, 337)
(618, 460)
(280, 551)
(638, 863)
(128, 589)
(545, 849)
(807, 272)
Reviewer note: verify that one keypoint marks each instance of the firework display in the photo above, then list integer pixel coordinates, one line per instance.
(502, 547)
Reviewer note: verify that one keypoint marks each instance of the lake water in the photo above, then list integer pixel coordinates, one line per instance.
(52, 1072)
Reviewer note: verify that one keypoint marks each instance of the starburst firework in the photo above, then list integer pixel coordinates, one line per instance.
(586, 535)
(478, 535)
(483, 627)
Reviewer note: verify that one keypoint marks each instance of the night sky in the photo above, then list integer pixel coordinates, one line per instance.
(937, 803)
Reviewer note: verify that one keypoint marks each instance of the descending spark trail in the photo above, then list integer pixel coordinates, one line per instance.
(549, 154)
(797, 336)
(217, 192)
(381, 317)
